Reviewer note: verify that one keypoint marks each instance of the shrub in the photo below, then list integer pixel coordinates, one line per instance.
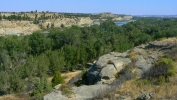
(83, 80)
(161, 71)
(117, 75)
(57, 79)
(142, 82)
(161, 80)
(110, 62)
(41, 86)
(66, 90)
(133, 55)
(168, 65)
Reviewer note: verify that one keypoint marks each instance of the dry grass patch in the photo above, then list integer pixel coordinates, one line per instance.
(133, 55)
(135, 88)
(11, 97)
(67, 76)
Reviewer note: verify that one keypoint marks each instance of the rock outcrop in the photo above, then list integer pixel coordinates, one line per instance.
(17, 27)
(102, 72)
(146, 96)
(79, 93)
(142, 57)
(55, 95)
(105, 68)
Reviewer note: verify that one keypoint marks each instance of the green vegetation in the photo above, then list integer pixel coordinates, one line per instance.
(66, 90)
(57, 79)
(83, 80)
(35, 56)
(161, 71)
(110, 62)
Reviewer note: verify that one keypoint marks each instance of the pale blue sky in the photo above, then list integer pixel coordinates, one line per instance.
(131, 7)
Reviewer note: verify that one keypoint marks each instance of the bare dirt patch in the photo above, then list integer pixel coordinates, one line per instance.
(68, 75)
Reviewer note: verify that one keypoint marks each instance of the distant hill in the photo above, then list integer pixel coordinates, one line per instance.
(23, 23)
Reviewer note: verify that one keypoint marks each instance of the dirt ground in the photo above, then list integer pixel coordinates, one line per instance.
(68, 75)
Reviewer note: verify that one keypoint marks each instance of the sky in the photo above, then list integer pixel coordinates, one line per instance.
(128, 7)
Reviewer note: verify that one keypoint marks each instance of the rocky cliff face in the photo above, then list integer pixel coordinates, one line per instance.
(17, 27)
(27, 27)
(67, 22)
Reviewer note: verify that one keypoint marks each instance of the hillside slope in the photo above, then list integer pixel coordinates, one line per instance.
(121, 74)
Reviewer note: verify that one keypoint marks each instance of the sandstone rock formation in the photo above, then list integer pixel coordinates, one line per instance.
(103, 71)
(80, 93)
(55, 95)
(143, 57)
(17, 27)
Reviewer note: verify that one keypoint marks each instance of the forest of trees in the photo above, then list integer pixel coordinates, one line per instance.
(33, 58)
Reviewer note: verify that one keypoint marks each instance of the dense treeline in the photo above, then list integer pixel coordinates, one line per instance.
(29, 60)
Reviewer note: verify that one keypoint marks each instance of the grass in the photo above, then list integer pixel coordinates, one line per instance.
(66, 90)
(134, 88)
(133, 55)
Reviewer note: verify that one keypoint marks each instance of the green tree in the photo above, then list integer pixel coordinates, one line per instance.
(62, 25)
(57, 61)
(41, 86)
(57, 79)
(0, 17)
(39, 43)
(48, 25)
(52, 25)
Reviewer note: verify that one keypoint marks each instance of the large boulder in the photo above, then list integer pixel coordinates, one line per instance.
(79, 93)
(89, 92)
(55, 95)
(105, 68)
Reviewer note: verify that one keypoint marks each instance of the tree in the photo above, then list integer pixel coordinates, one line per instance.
(38, 43)
(41, 86)
(57, 79)
(52, 25)
(62, 25)
(48, 25)
(0, 17)
(57, 62)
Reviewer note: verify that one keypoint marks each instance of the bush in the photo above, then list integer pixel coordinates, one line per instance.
(162, 70)
(41, 86)
(57, 79)
(142, 82)
(161, 80)
(66, 90)
(133, 55)
(83, 80)
(110, 62)
(168, 67)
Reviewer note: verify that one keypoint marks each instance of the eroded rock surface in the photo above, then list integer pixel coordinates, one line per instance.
(105, 68)
(142, 57)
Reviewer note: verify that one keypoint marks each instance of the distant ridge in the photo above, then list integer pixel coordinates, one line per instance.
(161, 16)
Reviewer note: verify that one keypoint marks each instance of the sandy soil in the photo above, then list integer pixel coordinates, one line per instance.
(67, 76)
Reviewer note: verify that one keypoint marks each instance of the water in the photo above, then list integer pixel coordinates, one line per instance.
(120, 23)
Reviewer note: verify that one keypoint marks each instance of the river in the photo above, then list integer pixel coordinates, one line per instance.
(121, 23)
